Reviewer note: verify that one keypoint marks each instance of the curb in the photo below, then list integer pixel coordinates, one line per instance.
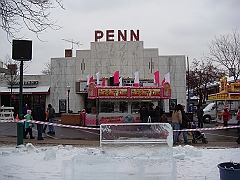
(78, 142)
(48, 141)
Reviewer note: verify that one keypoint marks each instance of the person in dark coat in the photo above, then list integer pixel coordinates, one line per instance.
(25, 108)
(157, 114)
(51, 117)
(39, 115)
(200, 116)
(184, 125)
(151, 114)
(47, 120)
(144, 114)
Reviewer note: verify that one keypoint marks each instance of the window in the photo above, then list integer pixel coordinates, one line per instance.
(135, 107)
(113, 106)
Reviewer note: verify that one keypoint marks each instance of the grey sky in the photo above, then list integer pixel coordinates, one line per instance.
(175, 27)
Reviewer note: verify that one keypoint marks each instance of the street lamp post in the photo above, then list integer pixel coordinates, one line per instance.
(21, 51)
(68, 91)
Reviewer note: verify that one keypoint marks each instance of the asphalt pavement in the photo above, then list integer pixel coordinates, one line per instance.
(91, 137)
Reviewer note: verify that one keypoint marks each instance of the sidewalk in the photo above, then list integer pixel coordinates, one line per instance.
(76, 142)
(48, 141)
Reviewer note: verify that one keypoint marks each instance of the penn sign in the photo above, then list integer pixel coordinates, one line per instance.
(110, 35)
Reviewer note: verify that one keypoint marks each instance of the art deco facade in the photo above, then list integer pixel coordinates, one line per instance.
(107, 57)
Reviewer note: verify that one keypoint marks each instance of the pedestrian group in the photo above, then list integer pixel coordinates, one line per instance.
(38, 114)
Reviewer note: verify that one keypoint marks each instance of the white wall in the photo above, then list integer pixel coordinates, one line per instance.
(106, 58)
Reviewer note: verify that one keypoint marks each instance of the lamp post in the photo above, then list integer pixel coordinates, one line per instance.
(21, 51)
(68, 91)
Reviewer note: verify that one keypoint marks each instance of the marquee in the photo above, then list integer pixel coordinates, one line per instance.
(129, 92)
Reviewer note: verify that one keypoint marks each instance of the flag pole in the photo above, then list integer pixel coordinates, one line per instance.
(188, 84)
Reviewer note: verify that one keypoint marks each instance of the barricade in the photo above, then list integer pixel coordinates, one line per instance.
(7, 113)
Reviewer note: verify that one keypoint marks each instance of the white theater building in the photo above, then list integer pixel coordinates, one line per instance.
(112, 51)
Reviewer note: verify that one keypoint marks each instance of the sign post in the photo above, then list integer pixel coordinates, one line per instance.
(21, 51)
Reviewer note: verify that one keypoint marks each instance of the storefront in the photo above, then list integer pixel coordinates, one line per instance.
(113, 104)
(36, 90)
(228, 97)
(31, 96)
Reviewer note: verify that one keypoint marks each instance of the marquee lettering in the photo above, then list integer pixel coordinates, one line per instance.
(121, 36)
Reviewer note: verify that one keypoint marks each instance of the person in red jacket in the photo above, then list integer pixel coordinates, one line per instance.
(225, 116)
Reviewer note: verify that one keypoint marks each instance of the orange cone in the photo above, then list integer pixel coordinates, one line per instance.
(16, 119)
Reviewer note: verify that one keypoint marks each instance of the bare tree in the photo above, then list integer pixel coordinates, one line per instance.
(10, 72)
(47, 69)
(201, 74)
(225, 50)
(34, 14)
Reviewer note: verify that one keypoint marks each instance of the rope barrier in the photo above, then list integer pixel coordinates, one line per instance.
(89, 128)
(52, 124)
(209, 129)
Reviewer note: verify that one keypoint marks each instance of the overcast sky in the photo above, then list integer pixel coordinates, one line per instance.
(175, 27)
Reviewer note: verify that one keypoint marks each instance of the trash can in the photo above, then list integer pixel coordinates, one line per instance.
(229, 171)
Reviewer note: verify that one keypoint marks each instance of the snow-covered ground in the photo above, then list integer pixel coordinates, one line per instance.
(29, 162)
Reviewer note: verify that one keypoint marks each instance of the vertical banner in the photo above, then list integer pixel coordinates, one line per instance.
(136, 79)
(116, 77)
(104, 81)
(120, 82)
(156, 77)
(88, 78)
(167, 77)
(91, 80)
(98, 78)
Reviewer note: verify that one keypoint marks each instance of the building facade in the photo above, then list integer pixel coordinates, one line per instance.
(36, 90)
(107, 57)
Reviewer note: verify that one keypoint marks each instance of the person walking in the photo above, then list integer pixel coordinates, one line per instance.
(238, 119)
(184, 125)
(225, 116)
(51, 117)
(152, 114)
(28, 125)
(176, 121)
(24, 112)
(200, 116)
(46, 120)
(157, 114)
(39, 115)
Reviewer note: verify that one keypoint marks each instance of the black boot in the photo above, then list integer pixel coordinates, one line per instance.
(30, 133)
(25, 134)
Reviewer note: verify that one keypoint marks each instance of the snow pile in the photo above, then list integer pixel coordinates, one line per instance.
(180, 152)
(28, 162)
